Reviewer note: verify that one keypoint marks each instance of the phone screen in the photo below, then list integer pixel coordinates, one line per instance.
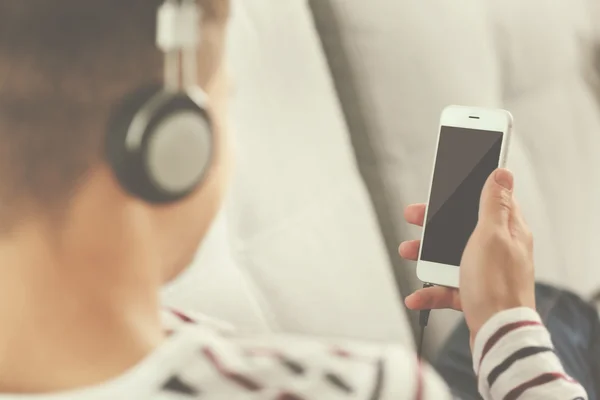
(465, 159)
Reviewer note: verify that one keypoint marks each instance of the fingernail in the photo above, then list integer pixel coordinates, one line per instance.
(504, 178)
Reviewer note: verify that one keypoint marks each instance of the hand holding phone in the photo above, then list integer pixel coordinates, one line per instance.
(496, 269)
(474, 236)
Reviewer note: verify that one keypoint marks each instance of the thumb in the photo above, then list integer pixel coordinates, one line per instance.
(496, 198)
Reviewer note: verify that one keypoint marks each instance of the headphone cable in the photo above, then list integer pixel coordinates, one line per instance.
(423, 321)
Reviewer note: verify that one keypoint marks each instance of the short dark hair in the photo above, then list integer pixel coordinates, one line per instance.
(63, 66)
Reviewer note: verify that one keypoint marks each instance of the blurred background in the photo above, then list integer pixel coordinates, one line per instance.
(335, 117)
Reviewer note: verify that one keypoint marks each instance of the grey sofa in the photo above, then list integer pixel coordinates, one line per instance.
(335, 117)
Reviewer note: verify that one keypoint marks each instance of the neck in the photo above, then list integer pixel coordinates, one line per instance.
(64, 308)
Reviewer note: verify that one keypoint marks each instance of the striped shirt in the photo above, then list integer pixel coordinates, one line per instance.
(201, 359)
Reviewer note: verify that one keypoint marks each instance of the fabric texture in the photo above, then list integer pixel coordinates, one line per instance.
(205, 359)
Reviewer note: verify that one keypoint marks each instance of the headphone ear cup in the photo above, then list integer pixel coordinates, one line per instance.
(159, 144)
(177, 145)
(127, 166)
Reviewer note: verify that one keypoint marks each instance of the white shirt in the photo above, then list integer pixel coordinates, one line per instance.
(513, 358)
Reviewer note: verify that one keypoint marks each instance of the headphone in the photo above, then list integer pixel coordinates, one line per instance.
(159, 142)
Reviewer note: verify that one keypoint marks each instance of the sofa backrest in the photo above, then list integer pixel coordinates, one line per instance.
(297, 247)
(396, 65)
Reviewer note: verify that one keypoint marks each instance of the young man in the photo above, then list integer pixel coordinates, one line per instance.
(82, 260)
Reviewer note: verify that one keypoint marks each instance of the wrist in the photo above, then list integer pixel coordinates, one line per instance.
(498, 305)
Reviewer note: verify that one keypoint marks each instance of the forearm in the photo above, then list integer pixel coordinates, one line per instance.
(513, 357)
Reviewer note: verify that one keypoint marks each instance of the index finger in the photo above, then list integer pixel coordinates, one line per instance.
(415, 214)
(436, 297)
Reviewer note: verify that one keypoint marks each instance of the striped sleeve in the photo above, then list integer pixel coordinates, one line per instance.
(290, 368)
(225, 365)
(514, 358)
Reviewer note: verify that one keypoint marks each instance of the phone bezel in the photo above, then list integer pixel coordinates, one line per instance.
(470, 118)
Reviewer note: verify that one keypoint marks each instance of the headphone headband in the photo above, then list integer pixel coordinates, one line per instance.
(177, 35)
(178, 25)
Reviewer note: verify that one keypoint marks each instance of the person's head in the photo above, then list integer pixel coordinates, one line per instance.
(64, 65)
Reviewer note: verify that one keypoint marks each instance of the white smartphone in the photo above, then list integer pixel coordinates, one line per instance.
(472, 143)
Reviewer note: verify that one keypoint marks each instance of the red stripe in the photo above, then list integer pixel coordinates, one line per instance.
(503, 331)
(540, 380)
(341, 353)
(239, 379)
(288, 396)
(419, 394)
(183, 317)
